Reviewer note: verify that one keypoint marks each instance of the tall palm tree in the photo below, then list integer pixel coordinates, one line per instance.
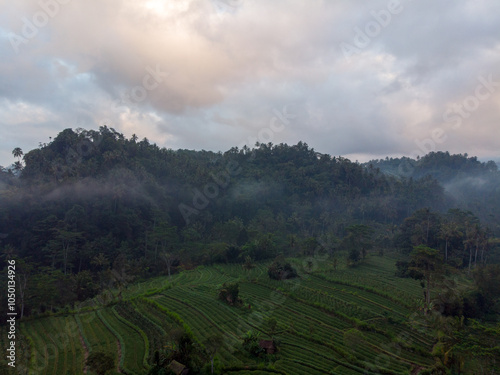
(17, 152)
(447, 232)
(471, 234)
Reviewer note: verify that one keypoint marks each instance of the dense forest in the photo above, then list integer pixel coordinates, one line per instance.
(91, 214)
(91, 206)
(473, 185)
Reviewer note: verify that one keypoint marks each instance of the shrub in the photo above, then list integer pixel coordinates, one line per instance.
(281, 270)
(100, 362)
(229, 293)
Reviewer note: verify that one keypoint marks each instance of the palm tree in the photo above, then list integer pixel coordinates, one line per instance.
(18, 166)
(471, 239)
(17, 152)
(447, 232)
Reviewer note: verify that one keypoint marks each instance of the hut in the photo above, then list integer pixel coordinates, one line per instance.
(178, 368)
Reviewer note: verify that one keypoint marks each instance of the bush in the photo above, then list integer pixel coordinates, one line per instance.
(100, 362)
(281, 270)
(251, 344)
(229, 293)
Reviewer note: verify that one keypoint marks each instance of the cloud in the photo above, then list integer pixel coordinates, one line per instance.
(225, 65)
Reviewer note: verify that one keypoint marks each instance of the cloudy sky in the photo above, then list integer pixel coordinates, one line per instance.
(362, 79)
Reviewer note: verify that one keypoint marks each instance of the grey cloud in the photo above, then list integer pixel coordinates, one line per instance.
(230, 63)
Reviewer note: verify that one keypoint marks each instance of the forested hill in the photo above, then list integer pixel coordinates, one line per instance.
(115, 190)
(91, 199)
(440, 165)
(473, 185)
(123, 186)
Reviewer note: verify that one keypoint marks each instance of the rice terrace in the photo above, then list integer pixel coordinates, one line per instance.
(325, 322)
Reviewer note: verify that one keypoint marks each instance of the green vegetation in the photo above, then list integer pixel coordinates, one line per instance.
(281, 270)
(319, 324)
(100, 362)
(229, 294)
(313, 337)
(139, 260)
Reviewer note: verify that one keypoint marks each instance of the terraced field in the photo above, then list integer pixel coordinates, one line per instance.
(56, 347)
(345, 321)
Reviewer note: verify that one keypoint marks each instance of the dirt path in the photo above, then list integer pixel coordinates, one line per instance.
(85, 354)
(119, 356)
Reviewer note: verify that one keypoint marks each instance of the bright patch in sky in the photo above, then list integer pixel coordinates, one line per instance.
(165, 8)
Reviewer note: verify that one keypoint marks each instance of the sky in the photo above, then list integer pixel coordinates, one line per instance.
(361, 79)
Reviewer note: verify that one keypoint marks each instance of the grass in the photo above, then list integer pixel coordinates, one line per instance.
(57, 348)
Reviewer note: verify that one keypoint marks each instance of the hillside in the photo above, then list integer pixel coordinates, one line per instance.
(124, 247)
(325, 322)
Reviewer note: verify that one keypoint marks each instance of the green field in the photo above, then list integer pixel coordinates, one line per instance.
(345, 321)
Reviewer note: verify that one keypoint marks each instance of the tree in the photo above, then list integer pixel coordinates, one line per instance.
(472, 234)
(164, 236)
(251, 343)
(17, 152)
(353, 256)
(212, 345)
(120, 274)
(67, 240)
(100, 362)
(229, 293)
(271, 326)
(242, 237)
(470, 348)
(169, 259)
(309, 245)
(18, 166)
(186, 349)
(248, 265)
(358, 241)
(426, 264)
(281, 270)
(44, 292)
(24, 272)
(487, 281)
(101, 262)
(9, 252)
(419, 229)
(83, 285)
(448, 231)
